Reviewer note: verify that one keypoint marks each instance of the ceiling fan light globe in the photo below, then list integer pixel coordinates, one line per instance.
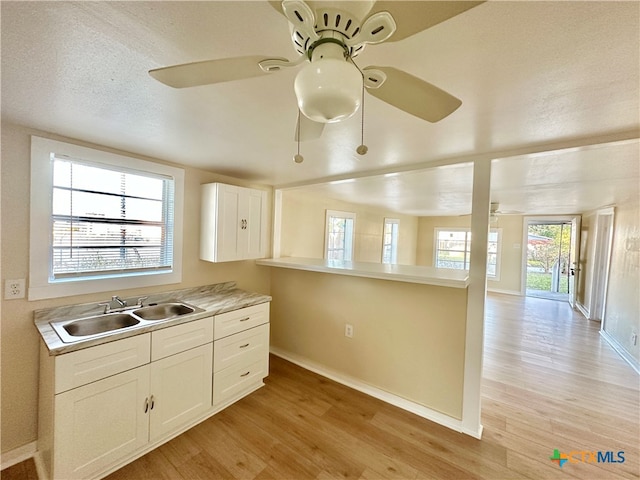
(328, 90)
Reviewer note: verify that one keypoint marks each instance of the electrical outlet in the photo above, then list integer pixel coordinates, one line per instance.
(348, 330)
(14, 289)
(634, 339)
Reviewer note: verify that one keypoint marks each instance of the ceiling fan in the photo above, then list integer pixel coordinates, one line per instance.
(495, 212)
(329, 35)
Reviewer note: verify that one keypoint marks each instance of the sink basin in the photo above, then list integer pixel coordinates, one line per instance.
(71, 331)
(98, 324)
(163, 311)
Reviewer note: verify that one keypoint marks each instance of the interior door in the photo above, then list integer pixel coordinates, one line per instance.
(574, 260)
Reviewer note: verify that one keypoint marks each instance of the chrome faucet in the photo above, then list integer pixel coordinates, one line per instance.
(122, 303)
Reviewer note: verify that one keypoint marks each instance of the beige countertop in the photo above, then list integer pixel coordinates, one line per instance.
(380, 271)
(214, 299)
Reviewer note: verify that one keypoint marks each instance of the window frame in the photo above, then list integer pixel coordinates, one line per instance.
(394, 241)
(340, 214)
(40, 285)
(498, 252)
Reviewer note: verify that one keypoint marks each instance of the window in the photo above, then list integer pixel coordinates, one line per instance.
(390, 240)
(101, 221)
(108, 221)
(453, 248)
(339, 235)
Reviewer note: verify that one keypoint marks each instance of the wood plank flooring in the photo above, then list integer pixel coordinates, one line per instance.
(550, 382)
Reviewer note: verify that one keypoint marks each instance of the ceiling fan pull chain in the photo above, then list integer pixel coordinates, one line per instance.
(362, 148)
(297, 157)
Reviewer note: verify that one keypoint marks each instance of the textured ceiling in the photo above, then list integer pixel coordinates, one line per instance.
(548, 88)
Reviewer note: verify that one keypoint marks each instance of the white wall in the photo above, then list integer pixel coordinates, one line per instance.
(511, 247)
(303, 228)
(622, 314)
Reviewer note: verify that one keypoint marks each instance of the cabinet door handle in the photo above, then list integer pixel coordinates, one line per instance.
(244, 346)
(245, 374)
(153, 402)
(146, 405)
(245, 319)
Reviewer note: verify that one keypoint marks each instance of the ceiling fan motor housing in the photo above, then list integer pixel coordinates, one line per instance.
(329, 22)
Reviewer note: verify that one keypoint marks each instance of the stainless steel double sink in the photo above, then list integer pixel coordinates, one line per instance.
(71, 331)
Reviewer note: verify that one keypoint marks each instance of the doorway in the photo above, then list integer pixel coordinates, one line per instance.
(602, 256)
(548, 272)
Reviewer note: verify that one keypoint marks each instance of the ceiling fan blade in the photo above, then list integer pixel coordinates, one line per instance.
(277, 6)
(412, 17)
(307, 129)
(211, 71)
(411, 94)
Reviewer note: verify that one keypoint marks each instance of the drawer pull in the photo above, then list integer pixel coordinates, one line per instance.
(244, 346)
(245, 319)
(245, 374)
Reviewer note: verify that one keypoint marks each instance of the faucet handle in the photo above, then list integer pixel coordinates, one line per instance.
(107, 306)
(142, 299)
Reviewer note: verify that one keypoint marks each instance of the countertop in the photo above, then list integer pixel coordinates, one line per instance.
(214, 299)
(381, 271)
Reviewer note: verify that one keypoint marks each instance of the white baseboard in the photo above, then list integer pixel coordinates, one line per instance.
(359, 385)
(583, 310)
(505, 292)
(627, 357)
(18, 455)
(40, 468)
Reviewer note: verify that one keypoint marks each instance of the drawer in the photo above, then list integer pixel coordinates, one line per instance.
(238, 320)
(90, 364)
(179, 338)
(235, 348)
(240, 377)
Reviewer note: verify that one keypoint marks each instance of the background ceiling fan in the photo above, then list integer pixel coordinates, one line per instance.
(495, 212)
(329, 35)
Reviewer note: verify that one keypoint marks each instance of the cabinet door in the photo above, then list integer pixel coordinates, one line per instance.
(100, 423)
(180, 389)
(255, 231)
(219, 224)
(228, 227)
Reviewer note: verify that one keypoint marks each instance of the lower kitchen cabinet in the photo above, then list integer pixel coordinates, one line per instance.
(103, 406)
(241, 363)
(180, 390)
(99, 423)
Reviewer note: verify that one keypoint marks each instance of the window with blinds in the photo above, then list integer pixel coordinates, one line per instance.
(109, 221)
(453, 250)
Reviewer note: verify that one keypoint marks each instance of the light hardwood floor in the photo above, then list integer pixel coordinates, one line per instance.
(550, 382)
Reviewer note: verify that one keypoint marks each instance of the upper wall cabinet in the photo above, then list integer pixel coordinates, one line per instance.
(234, 223)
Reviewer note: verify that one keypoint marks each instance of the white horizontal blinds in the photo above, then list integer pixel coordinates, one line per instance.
(109, 221)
